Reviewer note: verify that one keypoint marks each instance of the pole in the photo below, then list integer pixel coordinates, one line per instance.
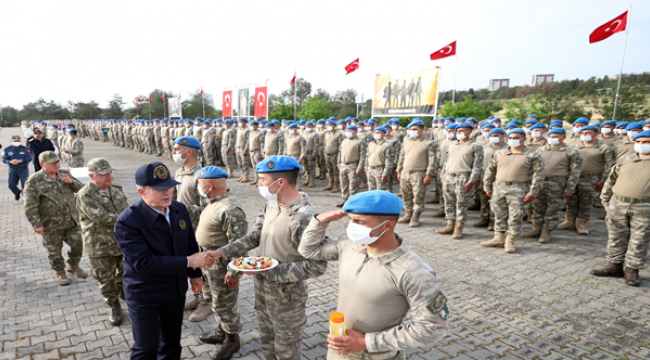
(620, 73)
(149, 110)
(453, 94)
(203, 102)
(163, 103)
(295, 99)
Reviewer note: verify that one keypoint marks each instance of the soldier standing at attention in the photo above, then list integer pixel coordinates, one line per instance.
(513, 179)
(562, 165)
(597, 162)
(294, 143)
(99, 203)
(625, 198)
(461, 173)
(280, 293)
(450, 137)
(219, 129)
(398, 132)
(381, 157)
(417, 162)
(625, 146)
(255, 146)
(537, 139)
(574, 139)
(223, 221)
(312, 149)
(607, 134)
(322, 167)
(242, 143)
(375, 296)
(495, 143)
(75, 150)
(228, 146)
(273, 140)
(207, 143)
(157, 138)
(352, 162)
(49, 207)
(397, 148)
(331, 144)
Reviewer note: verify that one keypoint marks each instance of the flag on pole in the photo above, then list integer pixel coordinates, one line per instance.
(446, 51)
(138, 98)
(293, 80)
(227, 103)
(260, 102)
(608, 29)
(352, 66)
(179, 95)
(150, 98)
(201, 90)
(163, 97)
(70, 102)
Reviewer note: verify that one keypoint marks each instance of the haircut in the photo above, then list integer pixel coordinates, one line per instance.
(291, 176)
(383, 218)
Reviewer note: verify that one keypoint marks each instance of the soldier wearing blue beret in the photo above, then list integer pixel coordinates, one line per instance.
(242, 145)
(607, 134)
(625, 145)
(332, 140)
(228, 140)
(351, 162)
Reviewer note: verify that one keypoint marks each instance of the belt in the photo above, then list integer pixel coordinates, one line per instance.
(633, 200)
(590, 176)
(460, 174)
(352, 163)
(512, 182)
(332, 154)
(377, 167)
(553, 178)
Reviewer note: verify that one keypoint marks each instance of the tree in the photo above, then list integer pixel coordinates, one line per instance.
(41, 109)
(281, 110)
(114, 109)
(344, 103)
(90, 110)
(303, 90)
(466, 108)
(316, 108)
(9, 117)
(631, 105)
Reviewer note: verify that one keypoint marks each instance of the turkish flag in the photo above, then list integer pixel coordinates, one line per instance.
(149, 98)
(293, 79)
(352, 66)
(70, 102)
(602, 32)
(163, 97)
(261, 101)
(227, 104)
(138, 99)
(201, 90)
(448, 50)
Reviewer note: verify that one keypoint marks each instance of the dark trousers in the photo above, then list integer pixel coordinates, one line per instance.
(156, 328)
(37, 166)
(16, 175)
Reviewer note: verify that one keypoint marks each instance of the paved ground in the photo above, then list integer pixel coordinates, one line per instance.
(539, 303)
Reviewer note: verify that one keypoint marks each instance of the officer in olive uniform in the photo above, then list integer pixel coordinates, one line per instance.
(242, 144)
(625, 146)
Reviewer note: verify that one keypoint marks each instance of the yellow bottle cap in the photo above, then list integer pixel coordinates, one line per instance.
(336, 317)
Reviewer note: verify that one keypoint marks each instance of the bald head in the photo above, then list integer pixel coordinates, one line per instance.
(213, 187)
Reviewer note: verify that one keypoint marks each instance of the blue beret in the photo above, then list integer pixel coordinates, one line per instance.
(557, 122)
(560, 131)
(608, 122)
(72, 130)
(374, 202)
(212, 172)
(634, 126)
(450, 118)
(255, 122)
(351, 127)
(622, 124)
(188, 141)
(496, 131)
(471, 119)
(415, 122)
(321, 121)
(332, 118)
(531, 116)
(488, 125)
(381, 128)
(372, 121)
(496, 119)
(292, 126)
(512, 124)
(530, 122)
(155, 175)
(331, 122)
(642, 134)
(490, 117)
(647, 122)
(70, 124)
(273, 122)
(589, 127)
(516, 121)
(517, 131)
(302, 121)
(464, 125)
(277, 163)
(341, 122)
(539, 125)
(450, 127)
(311, 123)
(243, 119)
(581, 120)
(596, 124)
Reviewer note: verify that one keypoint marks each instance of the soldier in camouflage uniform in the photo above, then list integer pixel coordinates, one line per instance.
(625, 198)
(312, 148)
(513, 179)
(207, 143)
(351, 162)
(241, 153)
(99, 203)
(228, 146)
(223, 221)
(381, 157)
(75, 150)
(280, 293)
(256, 146)
(49, 207)
(331, 143)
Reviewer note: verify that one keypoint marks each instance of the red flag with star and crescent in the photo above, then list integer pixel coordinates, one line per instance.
(149, 98)
(138, 98)
(201, 90)
(293, 79)
(610, 28)
(446, 51)
(352, 66)
(260, 102)
(227, 104)
(163, 97)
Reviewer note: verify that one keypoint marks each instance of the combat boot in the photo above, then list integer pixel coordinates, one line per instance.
(329, 186)
(497, 241)
(568, 224)
(581, 226)
(240, 177)
(475, 206)
(321, 176)
(449, 229)
(439, 213)
(229, 173)
(490, 226)
(244, 178)
(458, 231)
(481, 223)
(535, 232)
(214, 337)
(510, 244)
(311, 183)
(415, 219)
(192, 304)
(529, 219)
(363, 185)
(61, 279)
(202, 311)
(602, 217)
(306, 182)
(115, 318)
(406, 218)
(611, 270)
(230, 346)
(545, 237)
(632, 277)
(436, 199)
(76, 271)
(336, 188)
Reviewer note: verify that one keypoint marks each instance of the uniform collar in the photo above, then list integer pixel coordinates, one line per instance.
(191, 171)
(220, 197)
(150, 214)
(385, 258)
(523, 152)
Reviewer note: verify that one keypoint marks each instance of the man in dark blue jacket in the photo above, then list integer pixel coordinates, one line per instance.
(160, 253)
(18, 158)
(38, 144)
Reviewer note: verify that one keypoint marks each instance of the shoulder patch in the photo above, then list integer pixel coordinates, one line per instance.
(438, 304)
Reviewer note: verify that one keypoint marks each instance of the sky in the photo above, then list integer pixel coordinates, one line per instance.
(90, 50)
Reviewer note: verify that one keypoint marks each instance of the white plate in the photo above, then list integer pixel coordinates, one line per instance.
(274, 264)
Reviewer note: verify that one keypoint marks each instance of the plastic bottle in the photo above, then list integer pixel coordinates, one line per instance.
(337, 324)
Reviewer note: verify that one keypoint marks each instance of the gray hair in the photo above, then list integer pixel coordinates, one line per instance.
(142, 187)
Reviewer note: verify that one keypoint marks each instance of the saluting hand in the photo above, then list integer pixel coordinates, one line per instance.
(355, 341)
(332, 215)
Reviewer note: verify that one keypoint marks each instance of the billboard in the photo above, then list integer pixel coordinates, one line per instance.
(242, 103)
(175, 109)
(410, 93)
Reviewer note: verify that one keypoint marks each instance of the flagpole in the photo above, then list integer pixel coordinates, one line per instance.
(295, 98)
(163, 103)
(620, 73)
(453, 94)
(203, 102)
(149, 107)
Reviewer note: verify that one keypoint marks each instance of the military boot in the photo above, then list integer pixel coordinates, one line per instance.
(439, 213)
(475, 206)
(481, 223)
(215, 337)
(568, 224)
(415, 219)
(229, 348)
(545, 237)
(611, 270)
(254, 183)
(602, 217)
(244, 178)
(510, 244)
(192, 304)
(61, 279)
(497, 241)
(436, 199)
(229, 173)
(529, 219)
(581, 226)
(632, 277)
(406, 218)
(306, 182)
(311, 183)
(321, 176)
(329, 186)
(490, 226)
(202, 311)
(535, 232)
(449, 229)
(363, 185)
(336, 188)
(458, 231)
(76, 271)
(240, 177)
(115, 318)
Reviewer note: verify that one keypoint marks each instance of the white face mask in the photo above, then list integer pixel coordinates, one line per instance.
(376, 136)
(292, 131)
(606, 130)
(586, 138)
(361, 234)
(461, 136)
(330, 128)
(632, 134)
(413, 133)
(264, 191)
(15, 143)
(269, 130)
(340, 127)
(622, 131)
(349, 134)
(368, 128)
(178, 158)
(642, 148)
(527, 130)
(576, 130)
(319, 126)
(200, 189)
(450, 135)
(395, 127)
(537, 134)
(494, 140)
(515, 143)
(309, 129)
(554, 141)
(242, 125)
(646, 128)
(486, 134)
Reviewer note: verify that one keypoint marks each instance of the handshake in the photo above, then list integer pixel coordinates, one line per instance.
(203, 260)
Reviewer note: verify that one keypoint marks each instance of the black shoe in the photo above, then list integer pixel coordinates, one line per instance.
(216, 337)
(115, 318)
(611, 270)
(17, 196)
(476, 206)
(632, 277)
(229, 348)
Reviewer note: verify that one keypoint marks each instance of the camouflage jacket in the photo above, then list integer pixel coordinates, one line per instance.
(575, 164)
(49, 203)
(431, 156)
(385, 147)
(362, 148)
(609, 157)
(535, 173)
(635, 181)
(187, 193)
(98, 211)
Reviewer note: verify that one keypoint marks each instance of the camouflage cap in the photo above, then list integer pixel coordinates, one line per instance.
(49, 157)
(99, 166)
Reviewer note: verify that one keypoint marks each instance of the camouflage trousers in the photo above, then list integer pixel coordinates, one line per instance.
(365, 355)
(310, 166)
(208, 155)
(280, 310)
(413, 190)
(256, 157)
(322, 166)
(392, 180)
(229, 160)
(548, 203)
(508, 206)
(438, 181)
(107, 270)
(159, 146)
(77, 161)
(216, 152)
(456, 199)
(53, 242)
(244, 161)
(349, 181)
(224, 299)
(374, 179)
(628, 228)
(580, 203)
(486, 213)
(332, 168)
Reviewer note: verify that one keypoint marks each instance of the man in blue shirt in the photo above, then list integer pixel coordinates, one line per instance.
(38, 144)
(18, 158)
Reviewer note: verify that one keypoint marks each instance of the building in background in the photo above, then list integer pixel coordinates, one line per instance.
(538, 79)
(498, 83)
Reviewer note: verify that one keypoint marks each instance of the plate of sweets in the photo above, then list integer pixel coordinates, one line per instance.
(253, 263)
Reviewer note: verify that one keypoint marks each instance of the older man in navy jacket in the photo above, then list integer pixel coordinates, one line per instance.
(160, 253)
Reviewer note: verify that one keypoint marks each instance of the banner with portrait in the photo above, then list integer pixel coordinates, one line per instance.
(243, 108)
(410, 93)
(175, 108)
